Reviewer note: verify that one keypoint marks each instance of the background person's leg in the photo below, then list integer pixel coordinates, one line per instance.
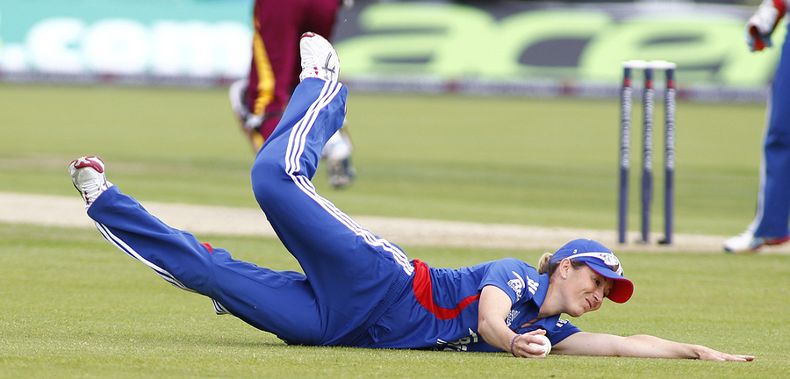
(773, 209)
(275, 56)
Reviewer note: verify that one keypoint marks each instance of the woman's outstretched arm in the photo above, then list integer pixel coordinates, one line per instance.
(642, 346)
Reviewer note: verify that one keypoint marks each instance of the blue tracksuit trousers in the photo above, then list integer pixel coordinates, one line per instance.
(773, 199)
(351, 276)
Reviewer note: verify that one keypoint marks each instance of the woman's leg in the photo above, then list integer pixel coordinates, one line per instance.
(350, 270)
(279, 302)
(176, 256)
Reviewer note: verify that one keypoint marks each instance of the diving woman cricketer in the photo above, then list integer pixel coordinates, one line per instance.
(357, 288)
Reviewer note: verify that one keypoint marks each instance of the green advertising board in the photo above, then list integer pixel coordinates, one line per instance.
(495, 41)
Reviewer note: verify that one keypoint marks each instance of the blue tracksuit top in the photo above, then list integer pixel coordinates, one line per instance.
(440, 309)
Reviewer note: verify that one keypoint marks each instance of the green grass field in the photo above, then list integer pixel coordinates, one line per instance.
(489, 159)
(74, 306)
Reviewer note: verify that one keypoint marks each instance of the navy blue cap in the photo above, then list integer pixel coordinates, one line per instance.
(600, 259)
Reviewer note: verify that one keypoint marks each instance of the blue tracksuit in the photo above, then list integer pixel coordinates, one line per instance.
(773, 198)
(357, 289)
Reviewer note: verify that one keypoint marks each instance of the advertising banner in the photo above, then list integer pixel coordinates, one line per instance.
(470, 46)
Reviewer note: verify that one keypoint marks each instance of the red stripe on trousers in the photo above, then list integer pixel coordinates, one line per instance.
(423, 291)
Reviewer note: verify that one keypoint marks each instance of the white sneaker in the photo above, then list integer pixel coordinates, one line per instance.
(248, 120)
(337, 153)
(87, 175)
(747, 242)
(236, 95)
(319, 58)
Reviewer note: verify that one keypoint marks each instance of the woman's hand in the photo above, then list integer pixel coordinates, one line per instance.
(708, 354)
(493, 308)
(524, 345)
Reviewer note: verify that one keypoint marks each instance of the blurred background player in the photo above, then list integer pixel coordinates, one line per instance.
(770, 225)
(260, 99)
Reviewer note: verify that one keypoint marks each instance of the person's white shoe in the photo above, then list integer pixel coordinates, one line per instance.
(250, 122)
(87, 175)
(236, 95)
(337, 153)
(748, 242)
(319, 58)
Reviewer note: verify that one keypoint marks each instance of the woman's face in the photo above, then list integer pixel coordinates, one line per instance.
(584, 290)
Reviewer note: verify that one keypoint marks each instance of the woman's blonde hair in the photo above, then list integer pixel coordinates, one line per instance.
(543, 263)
